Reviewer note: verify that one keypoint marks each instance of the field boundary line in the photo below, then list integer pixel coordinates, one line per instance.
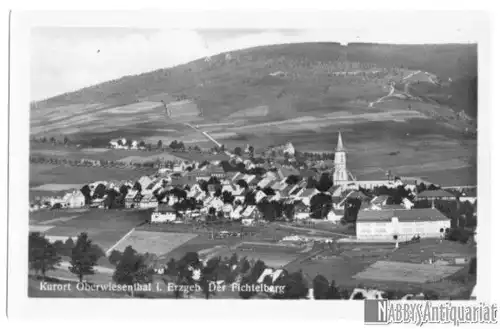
(108, 252)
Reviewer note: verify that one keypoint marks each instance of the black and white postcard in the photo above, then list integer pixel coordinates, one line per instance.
(330, 160)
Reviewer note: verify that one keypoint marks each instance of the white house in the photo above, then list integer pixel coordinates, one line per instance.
(149, 201)
(334, 216)
(307, 194)
(76, 199)
(236, 213)
(216, 203)
(163, 214)
(259, 195)
(247, 221)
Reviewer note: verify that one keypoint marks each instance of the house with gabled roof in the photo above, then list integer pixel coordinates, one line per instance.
(236, 213)
(259, 196)
(149, 201)
(216, 203)
(236, 177)
(380, 200)
(307, 194)
(284, 172)
(163, 213)
(335, 191)
(265, 182)
(301, 211)
(129, 198)
(144, 181)
(296, 191)
(227, 209)
(240, 195)
(335, 216)
(279, 185)
(435, 195)
(208, 200)
(249, 178)
(251, 211)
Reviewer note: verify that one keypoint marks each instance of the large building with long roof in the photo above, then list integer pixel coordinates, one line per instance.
(405, 224)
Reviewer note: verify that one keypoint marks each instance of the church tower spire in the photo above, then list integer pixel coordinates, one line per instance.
(340, 174)
(340, 144)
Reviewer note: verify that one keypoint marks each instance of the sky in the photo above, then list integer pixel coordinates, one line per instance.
(68, 58)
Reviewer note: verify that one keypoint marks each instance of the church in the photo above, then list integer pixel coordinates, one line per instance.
(342, 177)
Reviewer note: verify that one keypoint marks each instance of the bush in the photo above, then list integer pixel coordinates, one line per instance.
(458, 234)
(473, 266)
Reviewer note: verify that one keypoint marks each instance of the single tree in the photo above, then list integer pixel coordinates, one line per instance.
(131, 268)
(238, 151)
(159, 145)
(43, 256)
(246, 294)
(115, 257)
(69, 244)
(83, 257)
(321, 287)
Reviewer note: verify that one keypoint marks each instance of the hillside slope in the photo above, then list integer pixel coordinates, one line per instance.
(385, 98)
(232, 82)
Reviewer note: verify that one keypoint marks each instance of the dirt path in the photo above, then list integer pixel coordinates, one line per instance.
(381, 99)
(312, 230)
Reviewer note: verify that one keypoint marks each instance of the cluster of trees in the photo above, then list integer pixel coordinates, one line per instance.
(101, 162)
(460, 213)
(396, 195)
(176, 145)
(52, 140)
(458, 234)
(45, 256)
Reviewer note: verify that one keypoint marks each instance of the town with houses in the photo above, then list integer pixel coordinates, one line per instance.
(317, 206)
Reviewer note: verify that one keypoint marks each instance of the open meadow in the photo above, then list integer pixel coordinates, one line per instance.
(158, 243)
(63, 177)
(104, 228)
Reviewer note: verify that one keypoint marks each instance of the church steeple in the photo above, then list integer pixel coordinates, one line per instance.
(340, 174)
(340, 145)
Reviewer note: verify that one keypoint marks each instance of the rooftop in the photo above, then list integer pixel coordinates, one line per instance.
(435, 194)
(403, 215)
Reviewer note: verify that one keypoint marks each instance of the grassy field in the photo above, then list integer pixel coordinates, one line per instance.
(159, 243)
(80, 175)
(104, 228)
(346, 264)
(406, 272)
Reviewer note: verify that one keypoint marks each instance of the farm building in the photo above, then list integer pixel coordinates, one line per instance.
(163, 213)
(76, 199)
(129, 198)
(385, 224)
